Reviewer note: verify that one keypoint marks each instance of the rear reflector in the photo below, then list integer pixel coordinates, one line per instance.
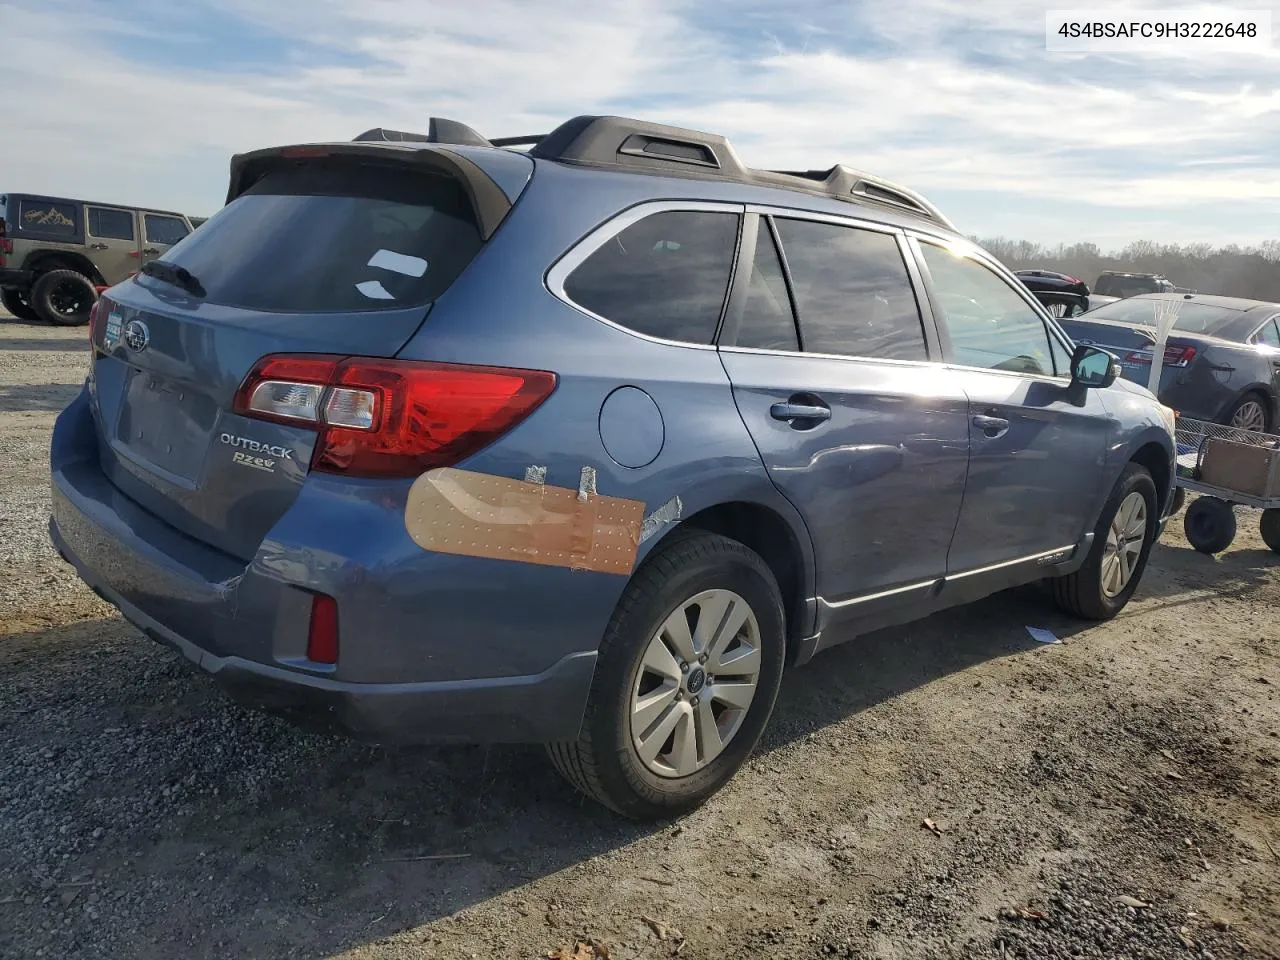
(391, 418)
(322, 635)
(1174, 356)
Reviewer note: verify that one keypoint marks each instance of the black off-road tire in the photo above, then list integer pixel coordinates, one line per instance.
(602, 762)
(19, 305)
(1210, 525)
(57, 282)
(1269, 526)
(1081, 593)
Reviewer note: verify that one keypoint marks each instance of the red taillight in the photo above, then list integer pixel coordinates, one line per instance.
(1174, 356)
(322, 634)
(97, 316)
(6, 245)
(391, 418)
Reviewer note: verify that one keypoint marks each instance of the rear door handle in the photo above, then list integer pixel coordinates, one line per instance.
(992, 427)
(151, 250)
(790, 412)
(97, 246)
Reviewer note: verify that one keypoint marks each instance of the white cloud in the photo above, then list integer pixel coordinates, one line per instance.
(954, 98)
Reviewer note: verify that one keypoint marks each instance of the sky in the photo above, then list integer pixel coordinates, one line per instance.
(144, 101)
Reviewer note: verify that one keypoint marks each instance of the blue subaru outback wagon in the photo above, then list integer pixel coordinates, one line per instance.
(428, 437)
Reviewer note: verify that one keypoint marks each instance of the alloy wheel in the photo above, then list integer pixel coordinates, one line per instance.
(1125, 538)
(695, 684)
(1250, 416)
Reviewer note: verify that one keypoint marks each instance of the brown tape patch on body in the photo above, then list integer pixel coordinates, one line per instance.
(500, 518)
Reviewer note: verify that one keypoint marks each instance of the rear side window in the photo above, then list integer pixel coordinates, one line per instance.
(166, 230)
(333, 237)
(108, 224)
(48, 217)
(1269, 334)
(767, 321)
(664, 276)
(852, 291)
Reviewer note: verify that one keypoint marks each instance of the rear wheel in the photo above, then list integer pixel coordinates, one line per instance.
(1210, 524)
(19, 305)
(63, 297)
(688, 672)
(1270, 528)
(1121, 544)
(1250, 414)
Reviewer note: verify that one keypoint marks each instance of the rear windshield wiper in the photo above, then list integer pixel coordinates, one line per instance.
(171, 273)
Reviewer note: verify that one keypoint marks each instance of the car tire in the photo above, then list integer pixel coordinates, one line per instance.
(1093, 592)
(1210, 524)
(1254, 408)
(639, 675)
(1269, 527)
(19, 305)
(63, 298)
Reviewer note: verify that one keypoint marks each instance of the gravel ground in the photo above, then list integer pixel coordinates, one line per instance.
(1111, 797)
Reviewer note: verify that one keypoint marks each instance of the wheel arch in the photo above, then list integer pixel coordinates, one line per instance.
(42, 261)
(1264, 393)
(784, 545)
(1155, 457)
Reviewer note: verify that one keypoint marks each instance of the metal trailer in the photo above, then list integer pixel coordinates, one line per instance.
(1210, 521)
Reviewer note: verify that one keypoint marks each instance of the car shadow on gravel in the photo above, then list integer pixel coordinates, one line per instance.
(37, 398)
(238, 835)
(43, 343)
(1181, 576)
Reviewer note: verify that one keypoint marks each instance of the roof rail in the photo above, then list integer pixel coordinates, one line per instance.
(636, 144)
(439, 130)
(845, 183)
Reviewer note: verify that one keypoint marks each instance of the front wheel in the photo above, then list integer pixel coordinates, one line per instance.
(688, 672)
(1122, 543)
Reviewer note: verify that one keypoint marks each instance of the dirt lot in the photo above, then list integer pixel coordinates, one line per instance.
(1115, 796)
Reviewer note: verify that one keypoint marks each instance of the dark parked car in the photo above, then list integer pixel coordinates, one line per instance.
(1062, 294)
(1221, 362)
(435, 440)
(1113, 283)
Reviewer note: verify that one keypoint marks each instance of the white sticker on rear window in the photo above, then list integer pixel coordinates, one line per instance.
(399, 263)
(374, 290)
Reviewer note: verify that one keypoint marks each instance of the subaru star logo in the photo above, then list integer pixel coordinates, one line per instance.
(136, 336)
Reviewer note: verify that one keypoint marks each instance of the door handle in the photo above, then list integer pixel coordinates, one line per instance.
(151, 250)
(97, 246)
(790, 412)
(992, 427)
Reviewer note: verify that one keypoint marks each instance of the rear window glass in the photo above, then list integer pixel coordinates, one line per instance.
(1192, 317)
(665, 275)
(333, 238)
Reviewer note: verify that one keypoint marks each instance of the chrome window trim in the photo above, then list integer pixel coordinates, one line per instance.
(570, 260)
(810, 355)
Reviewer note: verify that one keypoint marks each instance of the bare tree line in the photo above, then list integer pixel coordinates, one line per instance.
(1252, 272)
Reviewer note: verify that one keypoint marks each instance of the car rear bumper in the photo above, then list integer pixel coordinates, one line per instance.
(240, 625)
(504, 709)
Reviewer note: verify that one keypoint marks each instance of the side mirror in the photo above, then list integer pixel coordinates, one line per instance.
(1091, 367)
